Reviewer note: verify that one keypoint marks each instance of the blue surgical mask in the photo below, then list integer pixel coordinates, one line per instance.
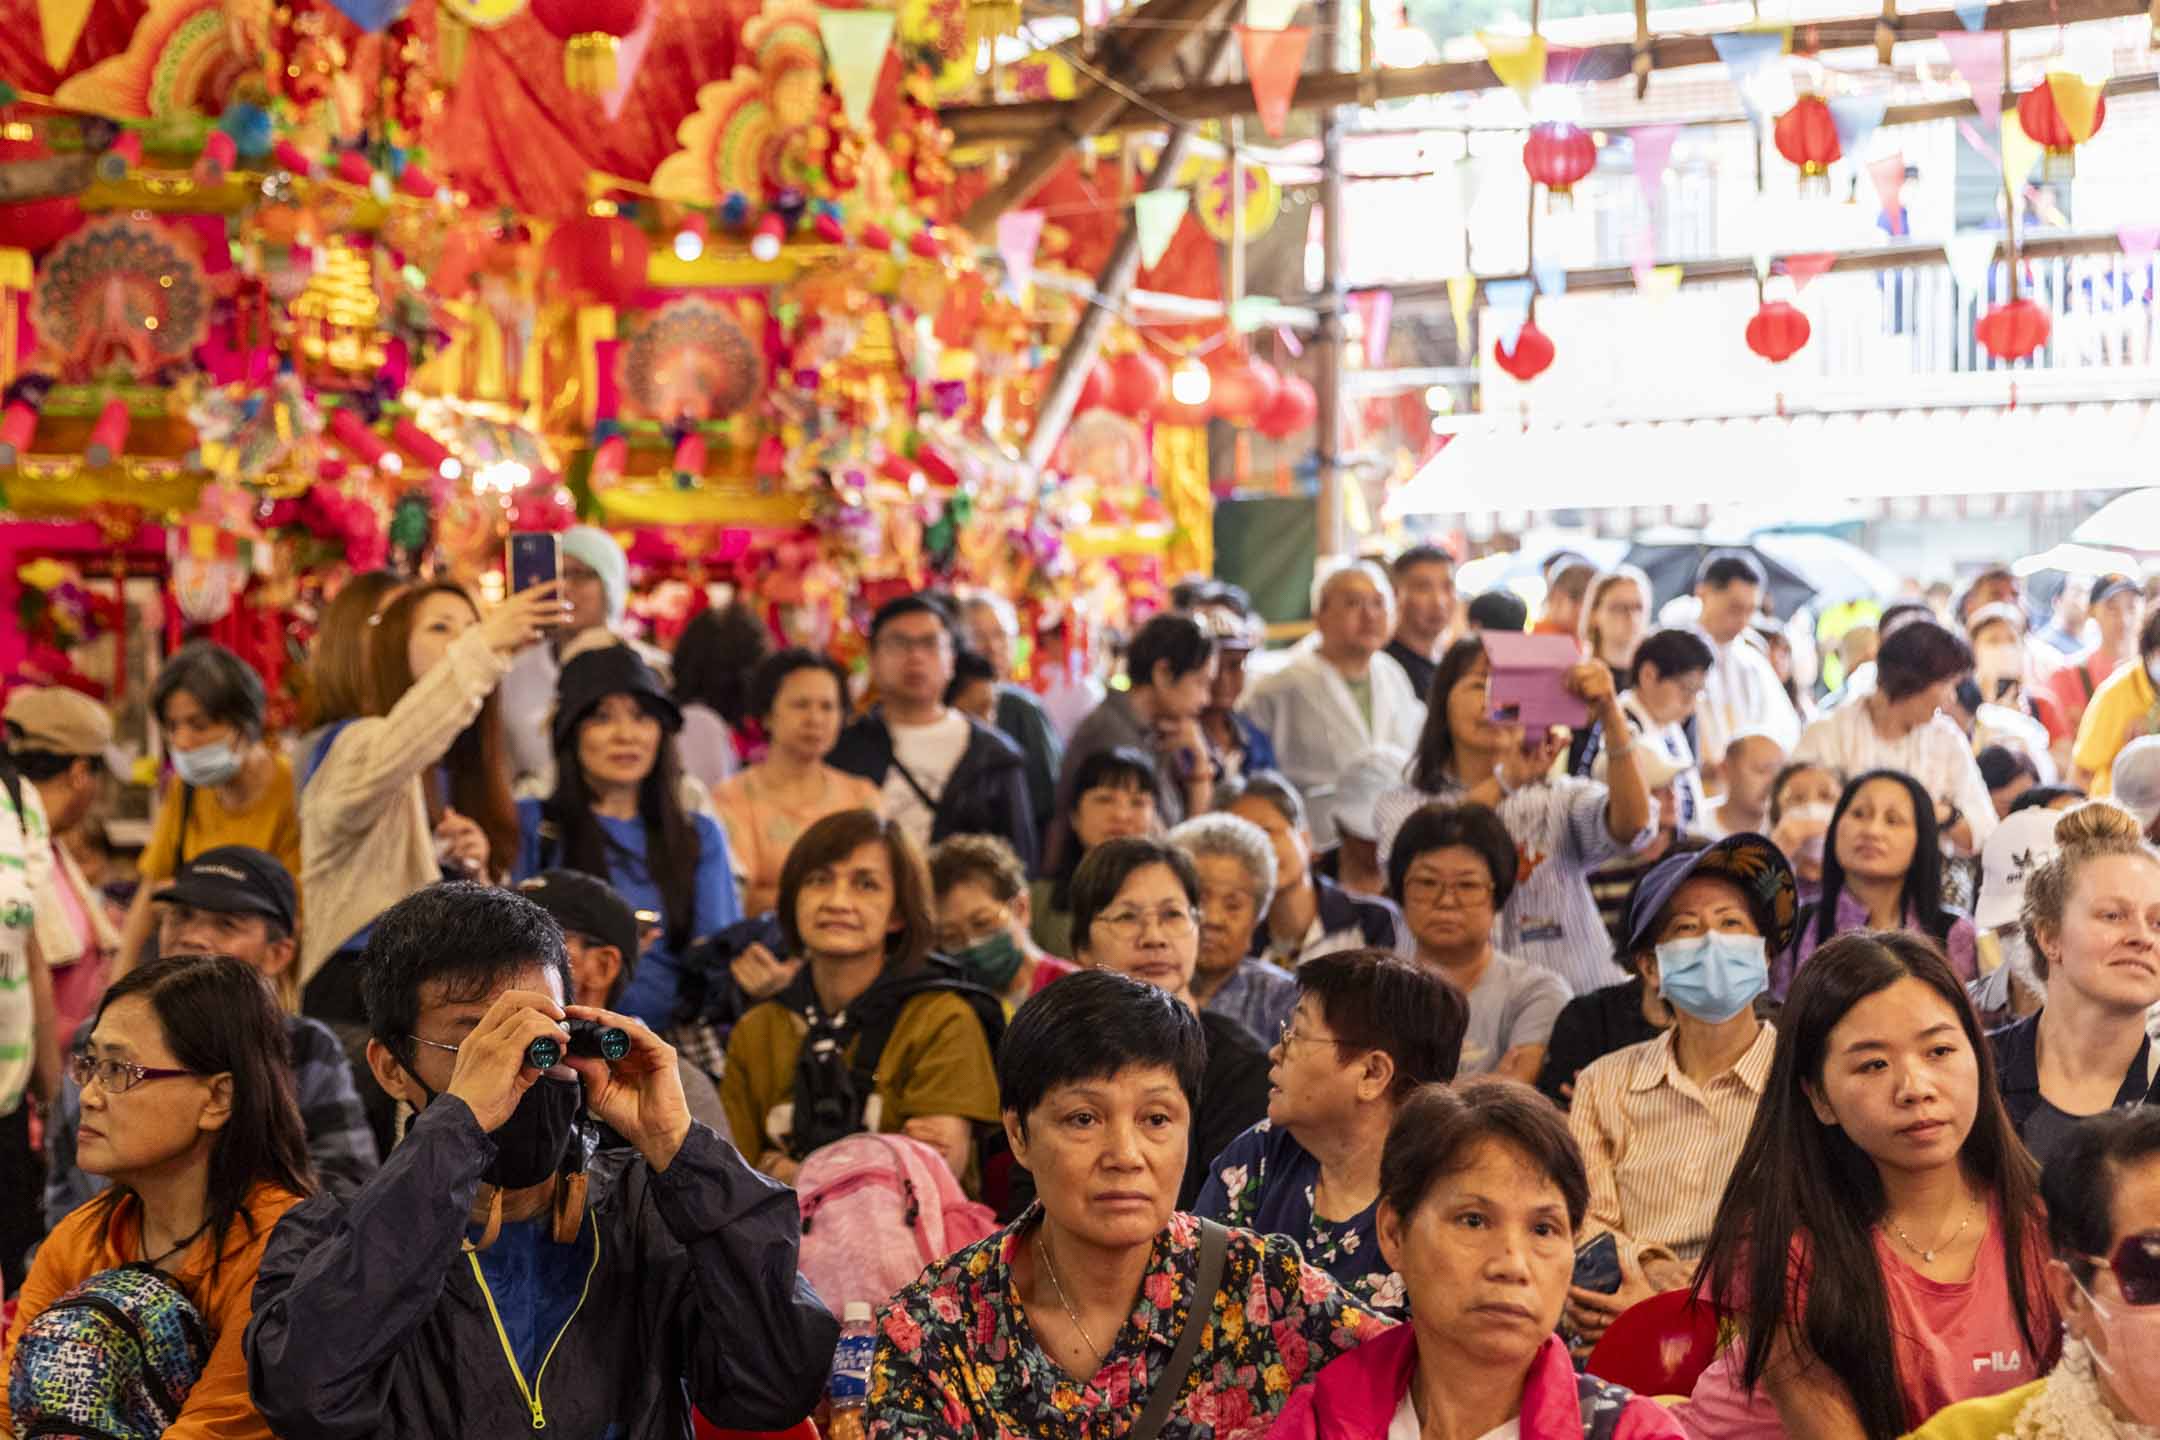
(207, 766)
(1713, 977)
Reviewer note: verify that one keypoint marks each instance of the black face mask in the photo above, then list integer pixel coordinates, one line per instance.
(529, 1145)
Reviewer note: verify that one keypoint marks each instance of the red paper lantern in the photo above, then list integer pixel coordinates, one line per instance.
(1095, 389)
(2045, 126)
(1173, 411)
(1240, 388)
(1295, 406)
(2013, 331)
(1558, 154)
(1777, 332)
(590, 31)
(1138, 383)
(1533, 352)
(603, 256)
(1807, 136)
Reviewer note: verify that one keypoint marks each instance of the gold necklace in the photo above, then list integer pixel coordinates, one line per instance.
(1070, 1314)
(1928, 1256)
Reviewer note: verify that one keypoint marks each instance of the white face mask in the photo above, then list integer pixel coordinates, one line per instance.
(2132, 1364)
(2000, 659)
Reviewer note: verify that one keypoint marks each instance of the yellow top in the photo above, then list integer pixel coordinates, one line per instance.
(1985, 1418)
(272, 823)
(2122, 709)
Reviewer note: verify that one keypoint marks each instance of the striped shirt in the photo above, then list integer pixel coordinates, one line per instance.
(25, 869)
(1561, 834)
(1658, 1148)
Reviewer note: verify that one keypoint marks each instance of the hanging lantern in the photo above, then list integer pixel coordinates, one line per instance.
(603, 256)
(1295, 406)
(1094, 389)
(1242, 387)
(1138, 383)
(2045, 126)
(2014, 330)
(1778, 331)
(591, 31)
(1532, 354)
(1807, 136)
(1557, 155)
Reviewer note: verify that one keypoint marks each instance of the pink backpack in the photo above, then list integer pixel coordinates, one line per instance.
(876, 1211)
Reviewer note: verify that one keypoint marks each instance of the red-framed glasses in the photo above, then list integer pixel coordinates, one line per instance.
(2136, 1265)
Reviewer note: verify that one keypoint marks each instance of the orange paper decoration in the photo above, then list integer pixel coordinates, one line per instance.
(1273, 59)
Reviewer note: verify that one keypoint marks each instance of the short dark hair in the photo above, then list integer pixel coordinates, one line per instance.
(1721, 568)
(718, 657)
(902, 606)
(40, 765)
(1572, 580)
(1090, 1026)
(1418, 555)
(466, 935)
(1674, 652)
(1498, 610)
(1273, 788)
(2001, 764)
(773, 671)
(1900, 613)
(1994, 573)
(2149, 633)
(1917, 655)
(969, 666)
(1376, 1000)
(1439, 1128)
(1108, 866)
(2078, 1183)
(221, 682)
(1121, 767)
(1436, 827)
(2041, 795)
(988, 860)
(830, 841)
(1179, 640)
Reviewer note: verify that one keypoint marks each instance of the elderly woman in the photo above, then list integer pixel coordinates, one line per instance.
(1078, 1318)
(1481, 1195)
(1370, 1030)
(1135, 911)
(1661, 1123)
(982, 917)
(2102, 1190)
(1236, 864)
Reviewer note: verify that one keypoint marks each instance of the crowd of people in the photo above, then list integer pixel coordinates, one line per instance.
(1325, 1050)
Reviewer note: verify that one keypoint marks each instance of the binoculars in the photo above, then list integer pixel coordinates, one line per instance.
(587, 1037)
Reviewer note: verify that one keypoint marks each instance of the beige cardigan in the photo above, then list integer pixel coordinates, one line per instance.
(365, 841)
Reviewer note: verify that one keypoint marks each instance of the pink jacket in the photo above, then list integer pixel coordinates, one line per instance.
(1356, 1396)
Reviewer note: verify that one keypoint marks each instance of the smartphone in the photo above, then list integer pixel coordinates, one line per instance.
(534, 558)
(1597, 1265)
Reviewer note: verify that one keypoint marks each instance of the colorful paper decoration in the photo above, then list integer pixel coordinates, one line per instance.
(1888, 175)
(1777, 331)
(1269, 14)
(1807, 136)
(1745, 54)
(729, 143)
(2079, 102)
(1653, 152)
(1273, 59)
(591, 32)
(1517, 61)
(1551, 276)
(1461, 294)
(1662, 282)
(1978, 58)
(855, 46)
(1019, 233)
(1804, 268)
(691, 360)
(1157, 215)
(629, 59)
(60, 23)
(1509, 301)
(1972, 14)
(1530, 355)
(1211, 198)
(2139, 241)
(785, 46)
(1971, 254)
(185, 58)
(373, 16)
(1557, 155)
(2020, 151)
(120, 289)
(1377, 307)
(1856, 118)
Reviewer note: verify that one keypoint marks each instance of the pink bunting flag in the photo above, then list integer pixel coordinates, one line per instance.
(1019, 234)
(1804, 268)
(2139, 241)
(1888, 174)
(1273, 59)
(1377, 307)
(1653, 152)
(1978, 56)
(629, 55)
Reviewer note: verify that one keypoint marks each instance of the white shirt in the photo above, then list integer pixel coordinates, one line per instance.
(1936, 754)
(930, 753)
(1742, 692)
(25, 869)
(1405, 1424)
(1318, 727)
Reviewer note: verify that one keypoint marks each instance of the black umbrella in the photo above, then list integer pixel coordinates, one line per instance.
(1672, 566)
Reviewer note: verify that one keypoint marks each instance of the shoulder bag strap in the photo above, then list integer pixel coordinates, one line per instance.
(1214, 1244)
(187, 813)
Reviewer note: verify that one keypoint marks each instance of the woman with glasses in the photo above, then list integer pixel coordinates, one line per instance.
(1113, 793)
(2102, 1190)
(187, 1108)
(982, 918)
(1136, 911)
(1370, 1028)
(1452, 870)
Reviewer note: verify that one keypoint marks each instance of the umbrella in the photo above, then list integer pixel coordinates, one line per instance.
(1671, 567)
(2128, 522)
(1838, 570)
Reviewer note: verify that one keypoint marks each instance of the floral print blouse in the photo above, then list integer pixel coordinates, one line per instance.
(957, 1358)
(1264, 1181)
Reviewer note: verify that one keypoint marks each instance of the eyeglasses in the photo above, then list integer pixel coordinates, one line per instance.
(2136, 1264)
(1286, 1037)
(1446, 892)
(117, 1077)
(432, 1044)
(918, 644)
(1131, 924)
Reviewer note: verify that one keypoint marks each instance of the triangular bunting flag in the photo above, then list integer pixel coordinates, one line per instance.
(1978, 58)
(1249, 312)
(1273, 59)
(1461, 292)
(855, 45)
(1379, 309)
(1660, 282)
(372, 16)
(1019, 233)
(61, 22)
(1653, 151)
(1745, 54)
(629, 56)
(1888, 174)
(1972, 14)
(1551, 278)
(1269, 14)
(2020, 152)
(1804, 268)
(1157, 213)
(1971, 254)
(1518, 61)
(1510, 304)
(2139, 241)
(1857, 118)
(1645, 253)
(2077, 100)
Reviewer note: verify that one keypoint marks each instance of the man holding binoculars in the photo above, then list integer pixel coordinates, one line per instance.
(499, 1275)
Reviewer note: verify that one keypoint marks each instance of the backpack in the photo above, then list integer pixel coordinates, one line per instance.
(113, 1359)
(876, 1211)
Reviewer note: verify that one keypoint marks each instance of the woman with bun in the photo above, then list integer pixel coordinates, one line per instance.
(2092, 922)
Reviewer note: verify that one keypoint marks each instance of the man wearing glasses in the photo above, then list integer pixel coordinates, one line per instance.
(238, 901)
(939, 771)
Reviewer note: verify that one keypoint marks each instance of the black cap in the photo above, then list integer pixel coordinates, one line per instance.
(2107, 587)
(610, 670)
(1499, 610)
(586, 905)
(236, 880)
(1755, 866)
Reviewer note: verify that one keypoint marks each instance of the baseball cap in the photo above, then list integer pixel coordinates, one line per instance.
(1359, 788)
(55, 720)
(2107, 587)
(236, 880)
(1227, 629)
(1749, 861)
(609, 670)
(586, 905)
(2134, 779)
(2021, 844)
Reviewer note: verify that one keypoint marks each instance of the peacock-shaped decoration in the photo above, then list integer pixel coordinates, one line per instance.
(120, 292)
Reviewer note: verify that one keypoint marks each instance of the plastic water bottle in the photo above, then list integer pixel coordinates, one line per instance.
(849, 1389)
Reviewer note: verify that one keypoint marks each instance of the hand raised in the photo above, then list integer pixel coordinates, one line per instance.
(491, 1075)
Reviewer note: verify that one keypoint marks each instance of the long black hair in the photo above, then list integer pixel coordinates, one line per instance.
(219, 1018)
(1922, 894)
(1429, 769)
(1800, 1179)
(672, 849)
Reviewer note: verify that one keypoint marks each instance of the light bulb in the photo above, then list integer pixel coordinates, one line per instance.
(451, 468)
(765, 244)
(1189, 383)
(688, 245)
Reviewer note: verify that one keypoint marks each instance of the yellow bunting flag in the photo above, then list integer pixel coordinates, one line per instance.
(2020, 152)
(62, 22)
(1661, 282)
(1461, 295)
(2077, 100)
(1518, 60)
(855, 46)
